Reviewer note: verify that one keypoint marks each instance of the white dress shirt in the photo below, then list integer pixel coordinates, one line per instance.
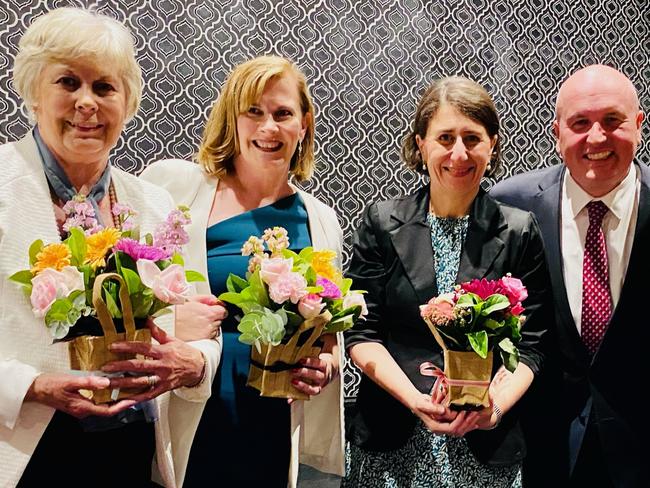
(618, 226)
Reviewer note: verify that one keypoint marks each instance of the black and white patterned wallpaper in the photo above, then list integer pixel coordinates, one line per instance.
(367, 61)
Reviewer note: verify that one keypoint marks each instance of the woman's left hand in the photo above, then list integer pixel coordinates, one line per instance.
(168, 365)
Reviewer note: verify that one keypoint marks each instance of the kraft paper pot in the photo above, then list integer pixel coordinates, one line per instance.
(90, 353)
(468, 376)
(270, 370)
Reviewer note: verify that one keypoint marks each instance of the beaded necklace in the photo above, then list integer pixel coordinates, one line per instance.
(112, 198)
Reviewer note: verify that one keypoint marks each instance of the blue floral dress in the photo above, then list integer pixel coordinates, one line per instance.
(428, 459)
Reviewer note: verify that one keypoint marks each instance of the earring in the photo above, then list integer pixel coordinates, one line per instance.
(299, 148)
(488, 167)
(424, 166)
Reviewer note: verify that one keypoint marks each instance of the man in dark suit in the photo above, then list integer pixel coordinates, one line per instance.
(598, 255)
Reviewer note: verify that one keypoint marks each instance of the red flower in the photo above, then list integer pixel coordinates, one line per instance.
(514, 289)
(483, 288)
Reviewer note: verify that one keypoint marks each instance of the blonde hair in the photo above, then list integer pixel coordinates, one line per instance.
(466, 96)
(67, 34)
(243, 88)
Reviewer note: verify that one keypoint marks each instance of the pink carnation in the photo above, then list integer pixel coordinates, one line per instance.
(330, 290)
(138, 250)
(483, 288)
(288, 286)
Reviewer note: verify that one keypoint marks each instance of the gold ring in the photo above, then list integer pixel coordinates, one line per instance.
(151, 381)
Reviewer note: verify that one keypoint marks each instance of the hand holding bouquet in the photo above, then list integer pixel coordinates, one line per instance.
(101, 285)
(468, 324)
(285, 295)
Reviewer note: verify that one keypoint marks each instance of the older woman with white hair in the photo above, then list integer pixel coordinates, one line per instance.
(77, 74)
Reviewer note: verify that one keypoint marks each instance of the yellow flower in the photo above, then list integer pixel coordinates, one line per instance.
(98, 244)
(321, 261)
(55, 256)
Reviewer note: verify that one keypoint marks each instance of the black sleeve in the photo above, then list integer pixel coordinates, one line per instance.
(532, 270)
(368, 273)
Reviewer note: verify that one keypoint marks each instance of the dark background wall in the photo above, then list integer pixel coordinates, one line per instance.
(367, 62)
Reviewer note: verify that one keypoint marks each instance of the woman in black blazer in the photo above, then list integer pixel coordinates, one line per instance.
(410, 249)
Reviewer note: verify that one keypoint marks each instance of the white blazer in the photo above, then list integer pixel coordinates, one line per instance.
(26, 349)
(317, 428)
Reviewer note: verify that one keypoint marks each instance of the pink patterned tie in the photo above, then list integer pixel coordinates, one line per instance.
(596, 298)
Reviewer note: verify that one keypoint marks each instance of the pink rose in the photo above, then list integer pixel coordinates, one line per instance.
(271, 269)
(50, 284)
(514, 289)
(310, 305)
(168, 285)
(288, 286)
(353, 299)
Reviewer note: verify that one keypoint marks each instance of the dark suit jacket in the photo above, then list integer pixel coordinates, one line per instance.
(615, 377)
(393, 261)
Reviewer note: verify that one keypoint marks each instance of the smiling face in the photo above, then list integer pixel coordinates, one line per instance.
(80, 111)
(456, 150)
(598, 127)
(269, 132)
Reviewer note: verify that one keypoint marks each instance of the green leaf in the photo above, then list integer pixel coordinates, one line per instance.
(77, 245)
(310, 275)
(257, 289)
(192, 276)
(235, 284)
(142, 304)
(288, 253)
(23, 277)
(148, 239)
(248, 307)
(177, 259)
(340, 324)
(230, 297)
(468, 300)
(133, 281)
(306, 253)
(113, 309)
(346, 284)
(58, 312)
(493, 324)
(509, 354)
(494, 303)
(34, 249)
(479, 342)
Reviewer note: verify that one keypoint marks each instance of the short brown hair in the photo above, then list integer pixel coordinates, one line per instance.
(244, 87)
(466, 96)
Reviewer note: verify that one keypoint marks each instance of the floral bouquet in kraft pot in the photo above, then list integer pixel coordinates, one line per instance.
(101, 285)
(469, 323)
(288, 301)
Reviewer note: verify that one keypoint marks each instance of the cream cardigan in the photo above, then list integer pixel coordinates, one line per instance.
(26, 348)
(317, 428)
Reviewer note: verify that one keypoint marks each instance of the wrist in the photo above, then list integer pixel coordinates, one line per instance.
(497, 415)
(201, 377)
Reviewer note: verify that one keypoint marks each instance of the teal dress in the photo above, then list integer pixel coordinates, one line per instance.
(243, 439)
(428, 459)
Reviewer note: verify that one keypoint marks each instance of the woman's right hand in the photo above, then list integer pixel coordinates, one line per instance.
(200, 318)
(61, 391)
(439, 419)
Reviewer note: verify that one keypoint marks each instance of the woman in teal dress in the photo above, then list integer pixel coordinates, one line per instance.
(259, 134)
(408, 250)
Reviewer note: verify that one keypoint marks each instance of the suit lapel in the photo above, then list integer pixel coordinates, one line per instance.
(412, 242)
(482, 245)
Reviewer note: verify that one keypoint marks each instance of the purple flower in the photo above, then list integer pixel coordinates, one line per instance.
(330, 290)
(138, 250)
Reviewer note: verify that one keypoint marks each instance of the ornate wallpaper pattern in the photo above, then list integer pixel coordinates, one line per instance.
(367, 61)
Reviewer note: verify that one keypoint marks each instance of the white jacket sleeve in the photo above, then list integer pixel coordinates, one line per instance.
(16, 377)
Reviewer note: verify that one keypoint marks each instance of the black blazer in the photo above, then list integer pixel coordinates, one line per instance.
(393, 260)
(617, 374)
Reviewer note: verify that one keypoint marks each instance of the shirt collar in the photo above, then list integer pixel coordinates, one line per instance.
(615, 199)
